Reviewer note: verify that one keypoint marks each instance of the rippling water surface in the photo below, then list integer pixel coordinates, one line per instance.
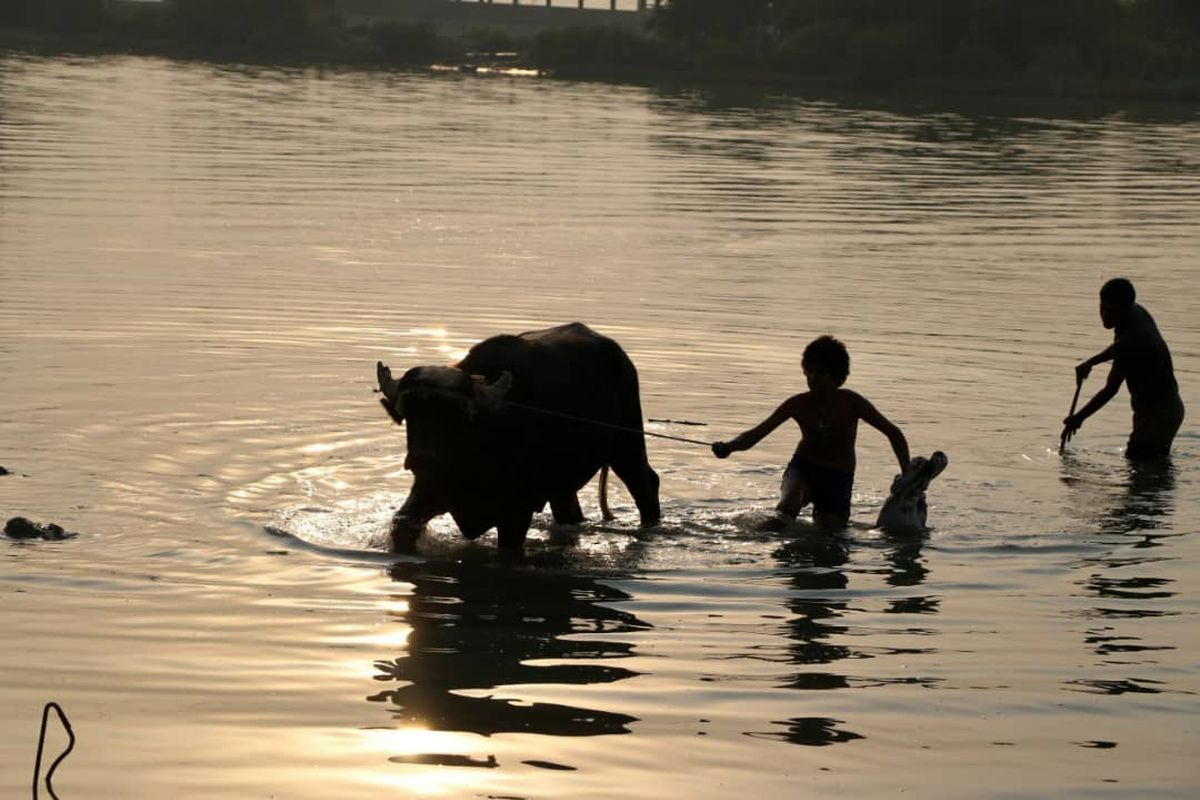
(200, 266)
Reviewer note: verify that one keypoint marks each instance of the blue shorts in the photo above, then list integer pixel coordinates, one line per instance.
(828, 489)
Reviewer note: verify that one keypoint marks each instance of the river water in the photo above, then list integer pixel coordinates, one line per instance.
(201, 264)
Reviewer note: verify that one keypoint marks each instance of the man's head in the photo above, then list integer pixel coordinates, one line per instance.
(1116, 301)
(826, 358)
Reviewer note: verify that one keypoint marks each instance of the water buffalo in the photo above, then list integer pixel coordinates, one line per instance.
(522, 421)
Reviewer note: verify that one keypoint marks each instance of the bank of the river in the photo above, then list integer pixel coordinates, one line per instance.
(346, 49)
(596, 53)
(1031, 87)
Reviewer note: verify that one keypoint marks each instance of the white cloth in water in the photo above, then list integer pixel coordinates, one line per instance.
(905, 508)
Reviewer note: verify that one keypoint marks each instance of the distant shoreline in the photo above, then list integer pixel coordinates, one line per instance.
(1067, 90)
(355, 49)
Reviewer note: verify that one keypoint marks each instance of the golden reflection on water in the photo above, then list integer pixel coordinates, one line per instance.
(389, 636)
(194, 396)
(415, 762)
(411, 746)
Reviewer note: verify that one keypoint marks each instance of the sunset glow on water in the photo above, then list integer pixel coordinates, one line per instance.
(201, 266)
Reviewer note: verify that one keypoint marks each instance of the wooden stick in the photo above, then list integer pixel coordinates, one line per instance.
(1066, 435)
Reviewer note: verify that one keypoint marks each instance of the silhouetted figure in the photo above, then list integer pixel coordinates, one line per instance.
(1142, 361)
(822, 469)
(520, 422)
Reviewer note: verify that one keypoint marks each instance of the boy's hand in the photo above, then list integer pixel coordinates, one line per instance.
(1070, 425)
(721, 449)
(1082, 370)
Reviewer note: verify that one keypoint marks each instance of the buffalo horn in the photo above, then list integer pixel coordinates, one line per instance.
(390, 388)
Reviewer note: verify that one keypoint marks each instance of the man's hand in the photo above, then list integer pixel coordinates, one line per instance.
(721, 449)
(1082, 370)
(1070, 425)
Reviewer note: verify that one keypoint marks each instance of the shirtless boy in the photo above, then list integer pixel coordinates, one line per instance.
(822, 469)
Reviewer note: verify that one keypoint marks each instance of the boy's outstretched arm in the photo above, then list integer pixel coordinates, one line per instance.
(870, 415)
(753, 436)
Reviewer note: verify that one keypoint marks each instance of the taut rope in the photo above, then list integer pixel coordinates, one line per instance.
(610, 425)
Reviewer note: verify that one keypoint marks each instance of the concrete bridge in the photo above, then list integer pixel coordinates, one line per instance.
(516, 17)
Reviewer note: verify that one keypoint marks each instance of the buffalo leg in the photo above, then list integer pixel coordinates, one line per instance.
(511, 530)
(642, 482)
(406, 530)
(566, 509)
(408, 523)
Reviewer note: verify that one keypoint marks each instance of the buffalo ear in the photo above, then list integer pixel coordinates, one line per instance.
(492, 394)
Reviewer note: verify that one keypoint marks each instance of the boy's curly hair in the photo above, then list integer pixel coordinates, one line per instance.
(830, 355)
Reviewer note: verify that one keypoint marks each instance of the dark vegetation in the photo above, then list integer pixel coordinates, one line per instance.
(887, 42)
(1147, 47)
(606, 50)
(256, 30)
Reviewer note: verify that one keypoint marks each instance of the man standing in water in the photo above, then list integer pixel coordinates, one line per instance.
(822, 470)
(1142, 361)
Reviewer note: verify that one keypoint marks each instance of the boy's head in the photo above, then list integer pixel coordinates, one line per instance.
(826, 354)
(1117, 297)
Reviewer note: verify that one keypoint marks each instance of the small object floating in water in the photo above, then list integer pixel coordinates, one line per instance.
(905, 508)
(446, 760)
(548, 765)
(3, 471)
(21, 528)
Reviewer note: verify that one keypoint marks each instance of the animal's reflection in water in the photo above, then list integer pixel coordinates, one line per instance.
(475, 627)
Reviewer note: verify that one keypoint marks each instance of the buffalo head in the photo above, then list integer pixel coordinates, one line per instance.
(443, 387)
(442, 409)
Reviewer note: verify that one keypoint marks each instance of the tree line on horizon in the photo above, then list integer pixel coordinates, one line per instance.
(255, 26)
(882, 42)
(885, 39)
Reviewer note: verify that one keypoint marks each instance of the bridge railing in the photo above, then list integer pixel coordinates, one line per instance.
(642, 5)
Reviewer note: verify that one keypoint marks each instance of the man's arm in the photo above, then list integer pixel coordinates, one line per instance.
(1116, 376)
(753, 436)
(1084, 368)
(870, 415)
